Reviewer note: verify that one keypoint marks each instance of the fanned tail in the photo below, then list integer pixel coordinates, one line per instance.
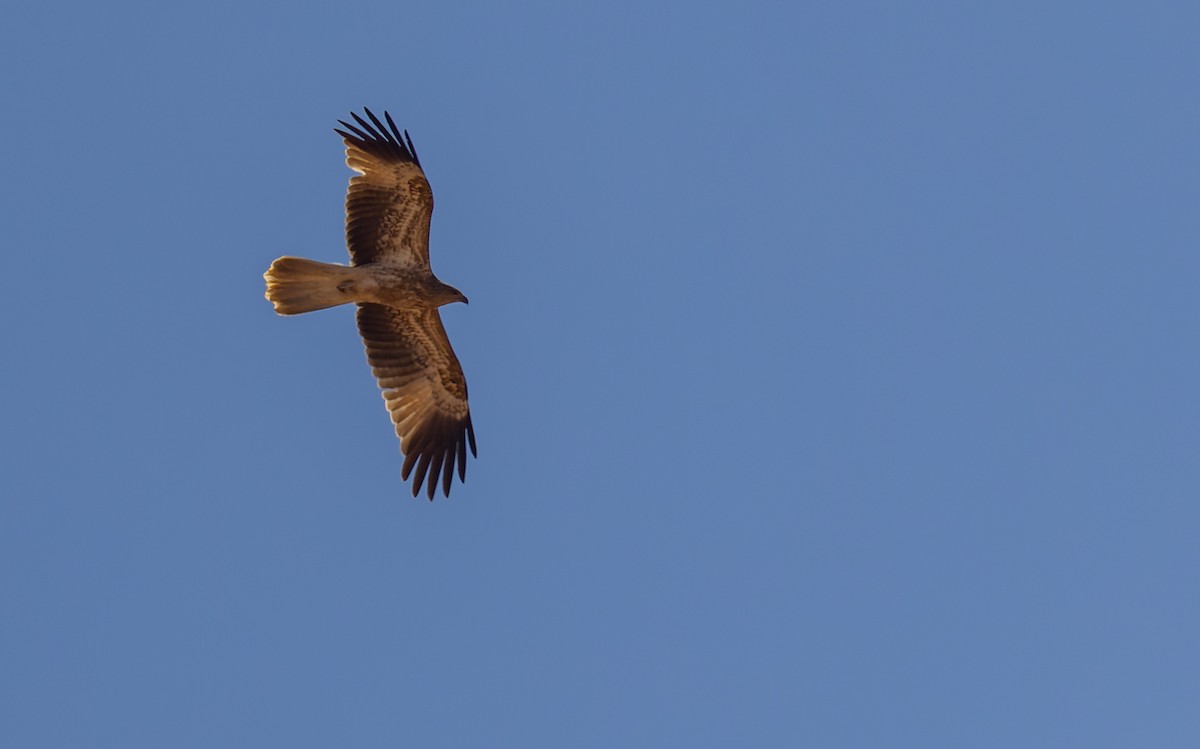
(296, 285)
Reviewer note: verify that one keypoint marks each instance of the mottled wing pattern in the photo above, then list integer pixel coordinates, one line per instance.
(425, 391)
(389, 203)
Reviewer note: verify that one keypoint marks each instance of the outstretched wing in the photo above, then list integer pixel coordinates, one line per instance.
(425, 391)
(389, 203)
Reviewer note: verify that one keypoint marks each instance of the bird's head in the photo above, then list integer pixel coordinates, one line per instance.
(444, 293)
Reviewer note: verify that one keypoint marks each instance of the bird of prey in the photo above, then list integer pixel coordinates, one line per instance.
(388, 207)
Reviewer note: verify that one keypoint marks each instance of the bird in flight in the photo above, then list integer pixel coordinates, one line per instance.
(388, 207)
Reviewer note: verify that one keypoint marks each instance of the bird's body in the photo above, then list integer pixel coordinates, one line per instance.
(388, 210)
(302, 285)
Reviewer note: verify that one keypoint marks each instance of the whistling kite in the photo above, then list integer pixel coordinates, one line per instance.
(388, 207)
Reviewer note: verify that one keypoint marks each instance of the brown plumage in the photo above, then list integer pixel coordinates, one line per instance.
(388, 208)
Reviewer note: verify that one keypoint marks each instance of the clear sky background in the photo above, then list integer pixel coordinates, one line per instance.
(833, 365)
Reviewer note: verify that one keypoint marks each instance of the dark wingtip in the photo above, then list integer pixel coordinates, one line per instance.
(411, 148)
(409, 461)
(435, 470)
(380, 129)
(448, 471)
(432, 454)
(375, 136)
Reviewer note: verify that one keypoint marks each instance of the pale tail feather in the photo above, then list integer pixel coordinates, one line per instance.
(295, 285)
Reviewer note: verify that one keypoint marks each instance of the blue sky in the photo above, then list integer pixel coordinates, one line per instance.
(833, 367)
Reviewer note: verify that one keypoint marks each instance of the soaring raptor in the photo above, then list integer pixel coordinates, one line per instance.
(388, 207)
